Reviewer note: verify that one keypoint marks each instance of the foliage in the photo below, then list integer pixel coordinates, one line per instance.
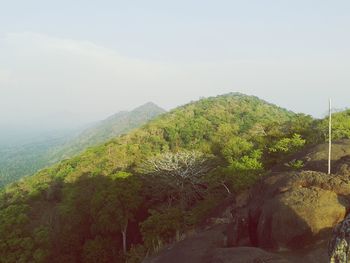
(96, 251)
(248, 163)
(136, 254)
(340, 126)
(288, 145)
(295, 164)
(284, 147)
(25, 159)
(161, 227)
(103, 201)
(235, 148)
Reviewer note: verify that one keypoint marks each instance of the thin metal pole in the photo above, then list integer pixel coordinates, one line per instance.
(330, 137)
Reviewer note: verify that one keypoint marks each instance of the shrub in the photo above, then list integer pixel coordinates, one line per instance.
(295, 164)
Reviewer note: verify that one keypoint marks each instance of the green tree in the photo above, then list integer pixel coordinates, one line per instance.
(96, 251)
(235, 148)
(340, 126)
(114, 206)
(288, 145)
(161, 227)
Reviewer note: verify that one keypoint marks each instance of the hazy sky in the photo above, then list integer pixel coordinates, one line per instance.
(90, 59)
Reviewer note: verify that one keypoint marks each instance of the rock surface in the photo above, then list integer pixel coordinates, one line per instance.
(245, 255)
(339, 246)
(195, 249)
(208, 246)
(293, 210)
(315, 158)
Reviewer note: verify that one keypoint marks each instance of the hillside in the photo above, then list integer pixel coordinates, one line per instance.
(135, 193)
(115, 125)
(19, 159)
(27, 158)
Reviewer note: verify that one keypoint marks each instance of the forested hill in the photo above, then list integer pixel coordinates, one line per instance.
(115, 125)
(26, 159)
(135, 193)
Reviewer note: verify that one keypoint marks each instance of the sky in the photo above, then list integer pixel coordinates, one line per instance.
(65, 63)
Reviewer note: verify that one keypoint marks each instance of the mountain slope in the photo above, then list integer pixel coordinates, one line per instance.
(115, 125)
(26, 159)
(23, 158)
(108, 201)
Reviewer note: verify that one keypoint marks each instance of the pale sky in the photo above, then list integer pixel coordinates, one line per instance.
(90, 59)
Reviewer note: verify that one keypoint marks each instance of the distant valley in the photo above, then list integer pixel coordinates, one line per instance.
(24, 155)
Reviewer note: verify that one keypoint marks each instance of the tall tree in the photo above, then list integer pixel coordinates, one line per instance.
(114, 206)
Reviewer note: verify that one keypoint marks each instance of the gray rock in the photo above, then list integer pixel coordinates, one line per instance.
(245, 255)
(339, 246)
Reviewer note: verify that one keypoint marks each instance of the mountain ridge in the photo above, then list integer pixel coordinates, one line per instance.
(112, 126)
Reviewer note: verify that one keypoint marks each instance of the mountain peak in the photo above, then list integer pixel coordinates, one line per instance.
(149, 107)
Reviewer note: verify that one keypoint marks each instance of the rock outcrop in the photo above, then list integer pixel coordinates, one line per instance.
(293, 210)
(287, 217)
(315, 158)
(195, 249)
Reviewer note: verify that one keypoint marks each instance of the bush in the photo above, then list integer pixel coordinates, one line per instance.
(136, 254)
(295, 164)
(162, 227)
(288, 145)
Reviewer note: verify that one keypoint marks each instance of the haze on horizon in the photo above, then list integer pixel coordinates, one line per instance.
(81, 61)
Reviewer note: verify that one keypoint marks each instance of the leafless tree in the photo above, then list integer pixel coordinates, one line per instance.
(179, 174)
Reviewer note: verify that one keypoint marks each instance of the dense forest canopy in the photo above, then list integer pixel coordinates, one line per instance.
(131, 195)
(27, 158)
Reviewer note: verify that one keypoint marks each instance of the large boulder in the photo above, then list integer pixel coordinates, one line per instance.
(294, 210)
(315, 158)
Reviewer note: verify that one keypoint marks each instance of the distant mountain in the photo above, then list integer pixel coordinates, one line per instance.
(24, 158)
(117, 124)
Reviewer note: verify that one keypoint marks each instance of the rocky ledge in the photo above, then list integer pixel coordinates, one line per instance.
(290, 216)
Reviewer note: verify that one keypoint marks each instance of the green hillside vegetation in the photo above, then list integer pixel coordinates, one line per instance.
(128, 197)
(16, 162)
(24, 159)
(340, 124)
(117, 124)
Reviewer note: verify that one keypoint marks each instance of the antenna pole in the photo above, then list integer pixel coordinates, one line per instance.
(330, 137)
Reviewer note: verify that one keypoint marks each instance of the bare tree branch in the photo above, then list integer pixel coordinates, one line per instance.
(182, 172)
